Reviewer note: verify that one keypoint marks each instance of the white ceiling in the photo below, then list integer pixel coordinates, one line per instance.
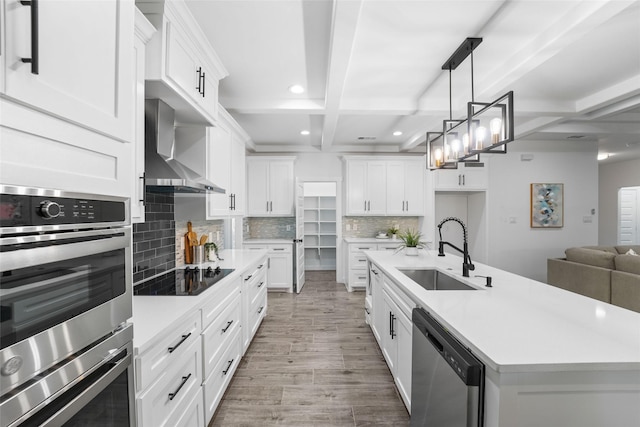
(372, 67)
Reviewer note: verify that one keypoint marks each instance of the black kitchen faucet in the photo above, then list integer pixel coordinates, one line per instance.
(466, 261)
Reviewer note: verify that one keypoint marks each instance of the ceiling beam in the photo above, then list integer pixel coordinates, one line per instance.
(343, 32)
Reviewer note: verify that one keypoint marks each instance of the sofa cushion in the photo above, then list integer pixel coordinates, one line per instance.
(625, 290)
(610, 249)
(593, 257)
(623, 249)
(628, 263)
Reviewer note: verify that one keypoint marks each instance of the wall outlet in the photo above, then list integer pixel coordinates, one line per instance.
(586, 219)
(355, 227)
(217, 236)
(288, 227)
(348, 227)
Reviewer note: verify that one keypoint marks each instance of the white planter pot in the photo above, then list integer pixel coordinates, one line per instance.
(411, 251)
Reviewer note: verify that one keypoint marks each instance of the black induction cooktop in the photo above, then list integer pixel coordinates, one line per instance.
(183, 282)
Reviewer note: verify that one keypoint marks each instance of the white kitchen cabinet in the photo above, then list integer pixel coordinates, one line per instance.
(464, 178)
(397, 338)
(377, 322)
(182, 67)
(357, 275)
(405, 188)
(75, 118)
(270, 186)
(143, 32)
(226, 166)
(280, 264)
(84, 62)
(366, 187)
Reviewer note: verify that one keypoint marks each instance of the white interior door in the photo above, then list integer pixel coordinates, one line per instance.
(299, 243)
(628, 213)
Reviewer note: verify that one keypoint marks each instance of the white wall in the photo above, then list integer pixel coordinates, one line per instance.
(614, 176)
(310, 166)
(515, 246)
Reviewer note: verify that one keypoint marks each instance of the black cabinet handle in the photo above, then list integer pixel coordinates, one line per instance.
(184, 338)
(204, 80)
(260, 266)
(260, 310)
(35, 57)
(229, 323)
(175, 393)
(392, 331)
(248, 277)
(199, 87)
(228, 366)
(367, 310)
(144, 190)
(260, 285)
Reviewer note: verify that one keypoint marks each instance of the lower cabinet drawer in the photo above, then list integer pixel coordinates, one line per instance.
(357, 260)
(221, 374)
(257, 312)
(217, 336)
(256, 287)
(357, 278)
(175, 388)
(169, 351)
(192, 415)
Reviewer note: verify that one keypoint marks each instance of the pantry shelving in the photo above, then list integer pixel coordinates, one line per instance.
(320, 232)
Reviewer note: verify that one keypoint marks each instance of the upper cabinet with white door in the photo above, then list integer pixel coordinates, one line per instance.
(67, 95)
(384, 186)
(270, 186)
(366, 187)
(405, 187)
(73, 61)
(182, 67)
(226, 166)
(468, 177)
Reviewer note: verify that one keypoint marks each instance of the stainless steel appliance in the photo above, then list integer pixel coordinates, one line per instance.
(447, 380)
(65, 297)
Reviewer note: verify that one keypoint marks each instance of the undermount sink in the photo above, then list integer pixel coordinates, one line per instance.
(434, 280)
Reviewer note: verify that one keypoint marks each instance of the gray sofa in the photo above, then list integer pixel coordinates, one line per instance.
(605, 273)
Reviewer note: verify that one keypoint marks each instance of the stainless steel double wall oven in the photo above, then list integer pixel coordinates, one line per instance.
(65, 297)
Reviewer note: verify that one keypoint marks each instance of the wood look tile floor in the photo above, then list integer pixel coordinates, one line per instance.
(313, 362)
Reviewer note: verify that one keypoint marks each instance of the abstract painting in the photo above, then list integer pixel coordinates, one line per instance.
(547, 205)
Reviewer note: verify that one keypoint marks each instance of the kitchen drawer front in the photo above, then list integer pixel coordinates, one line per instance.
(355, 248)
(221, 374)
(358, 278)
(218, 300)
(216, 337)
(192, 415)
(388, 246)
(174, 389)
(172, 348)
(357, 260)
(256, 247)
(402, 300)
(256, 286)
(280, 249)
(257, 312)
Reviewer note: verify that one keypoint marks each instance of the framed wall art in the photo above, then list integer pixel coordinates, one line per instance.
(547, 205)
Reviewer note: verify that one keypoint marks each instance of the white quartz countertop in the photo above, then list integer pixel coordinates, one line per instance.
(371, 240)
(268, 241)
(153, 314)
(521, 325)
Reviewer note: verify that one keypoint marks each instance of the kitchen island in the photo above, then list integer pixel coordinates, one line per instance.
(552, 357)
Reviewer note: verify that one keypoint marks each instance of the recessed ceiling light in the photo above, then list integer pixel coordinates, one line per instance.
(603, 156)
(397, 133)
(304, 132)
(296, 89)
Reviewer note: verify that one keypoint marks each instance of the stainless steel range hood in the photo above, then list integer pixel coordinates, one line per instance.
(163, 172)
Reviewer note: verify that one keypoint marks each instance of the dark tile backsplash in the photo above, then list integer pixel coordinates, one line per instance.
(154, 243)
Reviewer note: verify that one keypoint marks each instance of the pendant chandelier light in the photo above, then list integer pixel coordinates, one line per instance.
(487, 128)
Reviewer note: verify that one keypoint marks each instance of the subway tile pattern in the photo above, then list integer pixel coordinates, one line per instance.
(370, 226)
(269, 228)
(154, 240)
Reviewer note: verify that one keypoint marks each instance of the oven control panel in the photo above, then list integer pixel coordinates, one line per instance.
(20, 210)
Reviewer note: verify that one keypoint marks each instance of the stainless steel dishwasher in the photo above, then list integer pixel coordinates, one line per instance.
(447, 381)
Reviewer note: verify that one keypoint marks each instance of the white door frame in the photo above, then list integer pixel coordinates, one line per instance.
(339, 243)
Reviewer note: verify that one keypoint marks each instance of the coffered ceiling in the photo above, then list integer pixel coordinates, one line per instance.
(370, 68)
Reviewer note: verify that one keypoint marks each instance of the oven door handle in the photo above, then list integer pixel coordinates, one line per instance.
(86, 245)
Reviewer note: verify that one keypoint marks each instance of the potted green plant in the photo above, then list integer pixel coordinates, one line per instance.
(411, 242)
(393, 232)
